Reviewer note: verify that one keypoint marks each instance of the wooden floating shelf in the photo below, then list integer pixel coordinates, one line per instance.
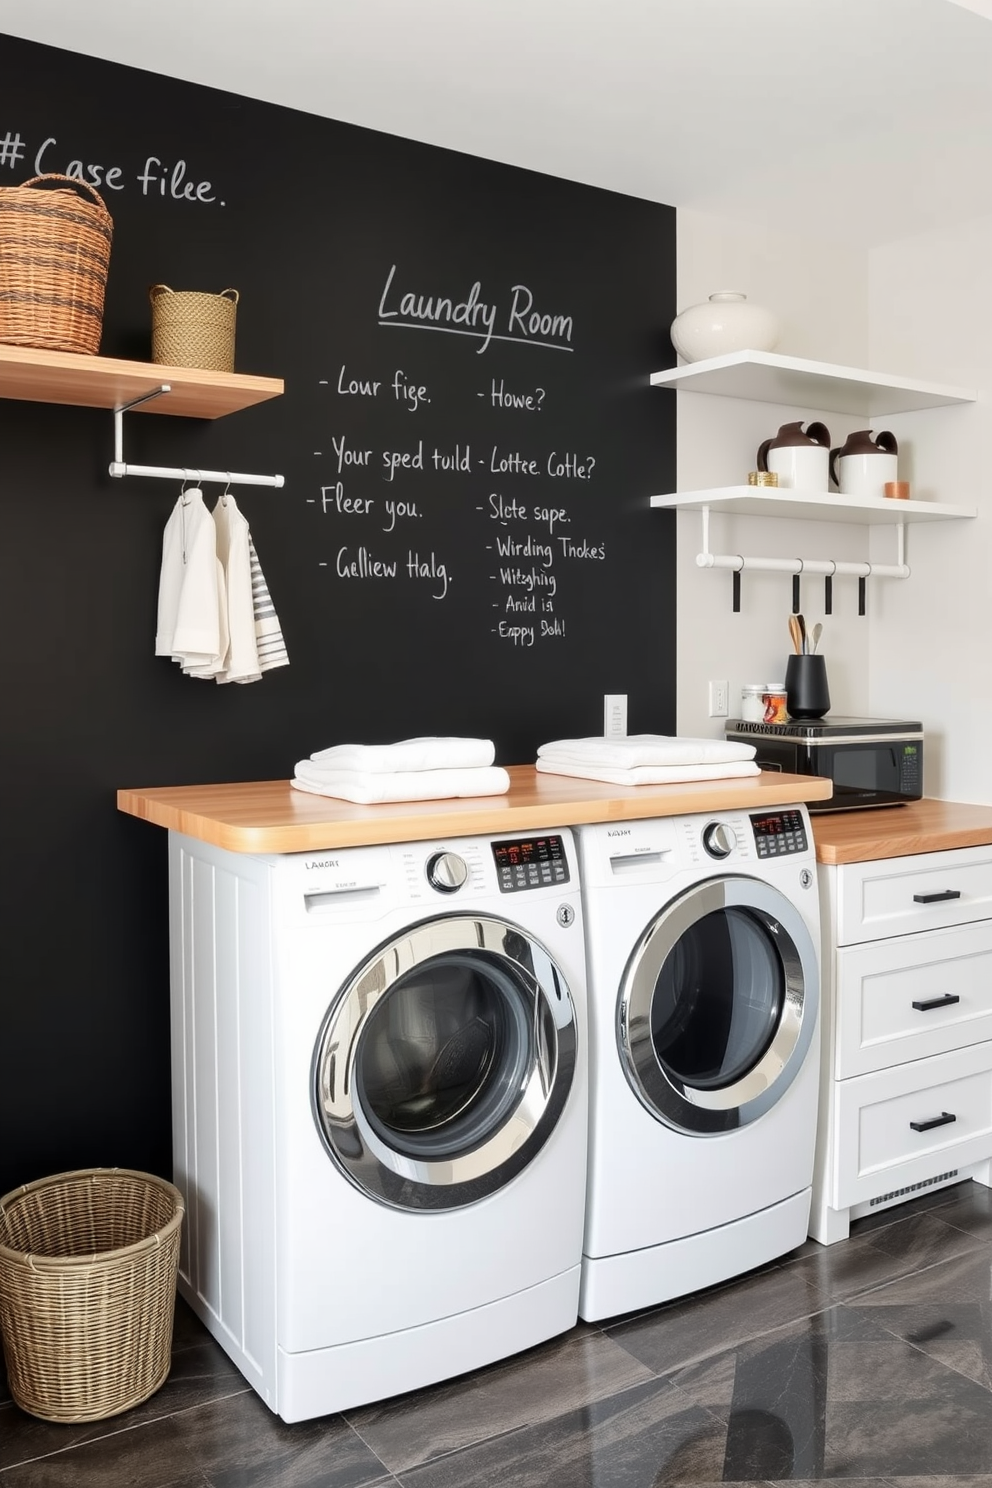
(37, 376)
(765, 501)
(766, 377)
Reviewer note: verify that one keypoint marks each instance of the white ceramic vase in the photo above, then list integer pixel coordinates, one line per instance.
(726, 322)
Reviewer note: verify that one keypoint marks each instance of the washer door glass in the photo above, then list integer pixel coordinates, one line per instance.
(444, 1064)
(718, 1005)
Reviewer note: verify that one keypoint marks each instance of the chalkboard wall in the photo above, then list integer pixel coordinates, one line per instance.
(463, 545)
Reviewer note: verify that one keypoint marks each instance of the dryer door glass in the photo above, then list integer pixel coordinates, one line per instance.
(444, 1064)
(718, 1000)
(718, 1005)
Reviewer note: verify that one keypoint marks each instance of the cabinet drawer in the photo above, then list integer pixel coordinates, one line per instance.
(898, 896)
(911, 997)
(878, 1146)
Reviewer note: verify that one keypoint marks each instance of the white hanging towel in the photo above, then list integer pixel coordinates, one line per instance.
(431, 752)
(234, 555)
(211, 667)
(269, 641)
(191, 615)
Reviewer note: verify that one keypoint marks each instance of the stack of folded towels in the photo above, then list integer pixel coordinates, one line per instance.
(647, 759)
(425, 769)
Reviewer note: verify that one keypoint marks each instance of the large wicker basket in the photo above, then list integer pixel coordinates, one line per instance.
(193, 329)
(88, 1266)
(54, 258)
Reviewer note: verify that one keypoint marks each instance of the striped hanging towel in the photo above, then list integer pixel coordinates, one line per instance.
(268, 632)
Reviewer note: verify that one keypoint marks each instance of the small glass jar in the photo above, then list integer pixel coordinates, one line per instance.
(763, 702)
(776, 710)
(752, 702)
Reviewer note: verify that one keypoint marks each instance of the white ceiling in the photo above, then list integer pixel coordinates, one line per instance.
(864, 120)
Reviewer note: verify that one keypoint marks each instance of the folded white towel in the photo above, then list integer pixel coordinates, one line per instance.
(645, 749)
(369, 788)
(431, 752)
(650, 774)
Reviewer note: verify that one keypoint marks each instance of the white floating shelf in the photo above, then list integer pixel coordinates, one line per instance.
(766, 377)
(758, 501)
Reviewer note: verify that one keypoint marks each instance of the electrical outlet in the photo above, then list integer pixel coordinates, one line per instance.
(615, 715)
(719, 699)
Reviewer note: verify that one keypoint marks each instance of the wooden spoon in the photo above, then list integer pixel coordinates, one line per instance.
(796, 634)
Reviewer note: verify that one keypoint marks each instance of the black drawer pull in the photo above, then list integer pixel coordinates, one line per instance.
(936, 898)
(936, 1002)
(944, 1119)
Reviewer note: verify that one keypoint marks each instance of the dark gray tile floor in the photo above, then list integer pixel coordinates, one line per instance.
(869, 1361)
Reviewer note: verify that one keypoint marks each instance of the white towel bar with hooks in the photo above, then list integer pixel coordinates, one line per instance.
(119, 467)
(862, 570)
(827, 566)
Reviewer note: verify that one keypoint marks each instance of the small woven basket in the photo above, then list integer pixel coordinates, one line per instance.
(54, 259)
(191, 329)
(88, 1267)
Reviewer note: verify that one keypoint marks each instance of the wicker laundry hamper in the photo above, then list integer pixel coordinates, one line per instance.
(192, 329)
(54, 259)
(88, 1267)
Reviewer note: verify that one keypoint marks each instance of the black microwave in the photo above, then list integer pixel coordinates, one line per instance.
(871, 761)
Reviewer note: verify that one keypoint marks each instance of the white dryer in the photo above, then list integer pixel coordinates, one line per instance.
(702, 936)
(379, 1107)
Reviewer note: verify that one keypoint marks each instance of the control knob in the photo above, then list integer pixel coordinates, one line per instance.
(446, 872)
(719, 840)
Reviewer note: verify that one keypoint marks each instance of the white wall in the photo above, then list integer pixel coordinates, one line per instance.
(919, 308)
(931, 654)
(820, 291)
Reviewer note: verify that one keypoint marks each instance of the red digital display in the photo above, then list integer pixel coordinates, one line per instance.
(529, 862)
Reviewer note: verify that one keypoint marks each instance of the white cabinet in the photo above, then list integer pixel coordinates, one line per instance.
(906, 1074)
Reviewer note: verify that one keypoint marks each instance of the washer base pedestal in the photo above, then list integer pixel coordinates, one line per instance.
(370, 1369)
(612, 1285)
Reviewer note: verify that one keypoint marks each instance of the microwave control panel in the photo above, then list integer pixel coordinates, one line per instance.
(909, 770)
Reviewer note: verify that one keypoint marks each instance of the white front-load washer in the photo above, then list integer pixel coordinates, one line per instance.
(379, 1108)
(702, 960)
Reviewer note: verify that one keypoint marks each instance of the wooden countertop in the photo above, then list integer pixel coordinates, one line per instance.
(897, 831)
(269, 816)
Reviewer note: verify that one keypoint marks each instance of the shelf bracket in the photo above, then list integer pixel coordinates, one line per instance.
(119, 467)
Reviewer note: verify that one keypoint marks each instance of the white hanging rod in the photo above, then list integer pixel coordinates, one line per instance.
(826, 566)
(118, 466)
(803, 566)
(177, 473)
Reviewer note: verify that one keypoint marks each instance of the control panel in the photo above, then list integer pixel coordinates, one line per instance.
(778, 833)
(530, 863)
(910, 781)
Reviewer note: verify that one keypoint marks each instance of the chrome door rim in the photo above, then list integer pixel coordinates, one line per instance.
(360, 1152)
(675, 1102)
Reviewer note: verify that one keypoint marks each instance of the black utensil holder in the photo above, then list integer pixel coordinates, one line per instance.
(806, 691)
